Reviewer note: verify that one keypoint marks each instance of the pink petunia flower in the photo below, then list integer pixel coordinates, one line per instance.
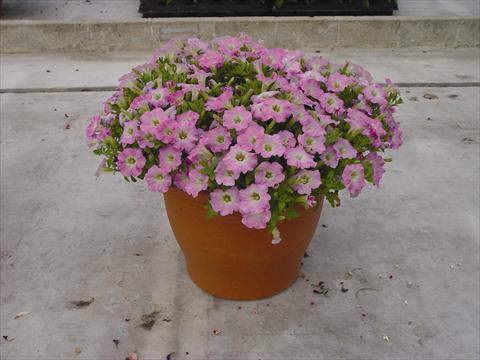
(200, 75)
(313, 127)
(311, 88)
(270, 145)
(313, 144)
(299, 158)
(331, 103)
(344, 149)
(145, 139)
(218, 139)
(185, 136)
(151, 121)
(228, 45)
(158, 180)
(325, 120)
(330, 157)
(166, 131)
(357, 119)
(158, 97)
(270, 174)
(189, 117)
(272, 108)
(193, 89)
(129, 134)
(273, 57)
(337, 82)
(396, 138)
(306, 181)
(375, 94)
(140, 103)
(264, 95)
(131, 162)
(378, 170)
(251, 136)
(225, 202)
(224, 175)
(180, 180)
(196, 182)
(375, 130)
(211, 59)
(354, 178)
(237, 118)
(254, 198)
(200, 152)
(287, 138)
(256, 220)
(219, 103)
(240, 160)
(95, 131)
(169, 158)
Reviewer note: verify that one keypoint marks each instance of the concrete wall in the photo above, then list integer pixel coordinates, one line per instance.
(20, 36)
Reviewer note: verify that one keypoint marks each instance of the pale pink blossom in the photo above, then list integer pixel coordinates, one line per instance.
(240, 160)
(218, 139)
(196, 182)
(269, 173)
(254, 198)
(313, 144)
(331, 103)
(344, 149)
(237, 118)
(225, 202)
(169, 158)
(224, 175)
(158, 180)
(378, 170)
(299, 158)
(337, 82)
(353, 178)
(129, 134)
(251, 136)
(256, 220)
(219, 103)
(330, 157)
(210, 59)
(270, 145)
(306, 181)
(131, 162)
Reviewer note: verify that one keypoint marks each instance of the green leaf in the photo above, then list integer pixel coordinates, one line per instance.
(332, 136)
(210, 212)
(368, 169)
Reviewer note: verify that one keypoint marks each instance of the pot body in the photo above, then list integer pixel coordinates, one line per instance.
(229, 260)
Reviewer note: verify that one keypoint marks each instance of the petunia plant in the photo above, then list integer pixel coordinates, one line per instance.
(263, 131)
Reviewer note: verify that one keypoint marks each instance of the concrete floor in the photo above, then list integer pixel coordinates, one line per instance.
(66, 236)
(128, 9)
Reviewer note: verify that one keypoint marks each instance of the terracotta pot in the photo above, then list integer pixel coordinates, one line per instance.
(231, 261)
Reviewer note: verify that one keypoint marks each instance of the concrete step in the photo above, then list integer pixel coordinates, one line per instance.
(64, 72)
(20, 36)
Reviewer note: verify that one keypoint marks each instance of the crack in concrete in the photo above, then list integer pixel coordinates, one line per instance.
(113, 88)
